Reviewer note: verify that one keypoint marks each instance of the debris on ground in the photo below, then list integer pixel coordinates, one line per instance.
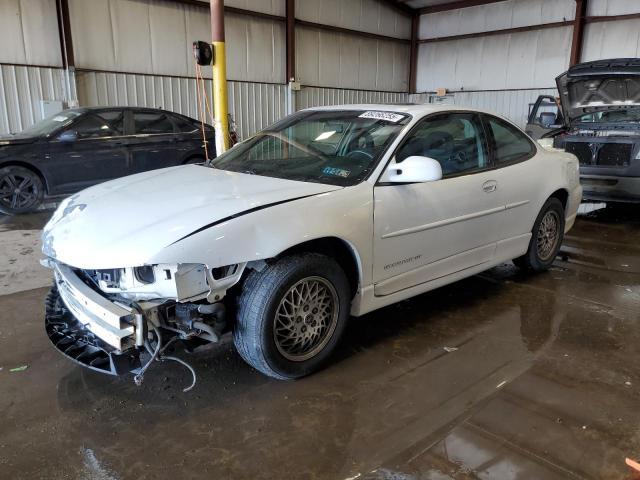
(450, 349)
(21, 368)
(633, 464)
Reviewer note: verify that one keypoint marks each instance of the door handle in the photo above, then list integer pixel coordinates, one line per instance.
(490, 186)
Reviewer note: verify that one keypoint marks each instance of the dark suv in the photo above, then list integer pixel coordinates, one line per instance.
(600, 103)
(80, 147)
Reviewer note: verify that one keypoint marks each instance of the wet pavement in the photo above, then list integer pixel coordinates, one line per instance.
(540, 380)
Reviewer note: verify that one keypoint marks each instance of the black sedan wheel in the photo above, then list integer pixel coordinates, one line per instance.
(21, 190)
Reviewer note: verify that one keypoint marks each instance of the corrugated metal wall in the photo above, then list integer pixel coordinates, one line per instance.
(371, 16)
(513, 61)
(342, 60)
(314, 96)
(29, 33)
(155, 37)
(496, 16)
(253, 105)
(513, 104)
(22, 89)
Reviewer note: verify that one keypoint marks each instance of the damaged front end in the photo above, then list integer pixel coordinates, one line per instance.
(117, 321)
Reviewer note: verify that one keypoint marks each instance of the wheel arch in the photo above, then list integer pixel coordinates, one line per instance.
(338, 249)
(561, 194)
(28, 166)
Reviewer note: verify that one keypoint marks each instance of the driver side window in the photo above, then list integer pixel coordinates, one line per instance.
(455, 140)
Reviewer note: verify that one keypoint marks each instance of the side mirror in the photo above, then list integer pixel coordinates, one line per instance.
(68, 136)
(413, 169)
(547, 118)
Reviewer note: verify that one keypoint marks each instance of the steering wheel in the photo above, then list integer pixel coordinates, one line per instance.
(459, 157)
(361, 153)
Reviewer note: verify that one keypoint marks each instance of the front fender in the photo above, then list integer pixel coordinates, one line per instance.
(346, 214)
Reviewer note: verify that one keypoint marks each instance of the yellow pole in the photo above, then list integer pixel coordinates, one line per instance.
(220, 108)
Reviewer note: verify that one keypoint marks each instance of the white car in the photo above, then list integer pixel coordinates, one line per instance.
(331, 212)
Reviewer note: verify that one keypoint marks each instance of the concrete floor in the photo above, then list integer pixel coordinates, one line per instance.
(544, 384)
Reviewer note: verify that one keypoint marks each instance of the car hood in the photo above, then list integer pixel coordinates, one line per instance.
(127, 221)
(601, 85)
(15, 140)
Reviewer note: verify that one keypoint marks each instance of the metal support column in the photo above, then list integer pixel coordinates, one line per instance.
(578, 32)
(291, 54)
(220, 106)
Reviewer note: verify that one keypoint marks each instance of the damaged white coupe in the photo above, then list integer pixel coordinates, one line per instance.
(330, 212)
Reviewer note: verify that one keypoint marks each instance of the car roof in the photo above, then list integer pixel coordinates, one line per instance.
(418, 109)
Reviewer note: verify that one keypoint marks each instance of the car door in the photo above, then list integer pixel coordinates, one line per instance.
(520, 180)
(544, 117)
(154, 143)
(423, 231)
(90, 150)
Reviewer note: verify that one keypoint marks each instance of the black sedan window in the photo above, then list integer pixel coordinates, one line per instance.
(149, 123)
(96, 126)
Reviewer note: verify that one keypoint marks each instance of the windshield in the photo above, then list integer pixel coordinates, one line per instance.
(334, 147)
(49, 124)
(612, 116)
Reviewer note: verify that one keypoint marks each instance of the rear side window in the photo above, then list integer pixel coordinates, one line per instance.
(509, 143)
(150, 123)
(184, 125)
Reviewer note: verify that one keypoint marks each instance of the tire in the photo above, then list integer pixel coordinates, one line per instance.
(21, 190)
(546, 238)
(288, 341)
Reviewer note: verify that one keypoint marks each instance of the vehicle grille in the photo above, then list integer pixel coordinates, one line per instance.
(604, 154)
(615, 154)
(580, 150)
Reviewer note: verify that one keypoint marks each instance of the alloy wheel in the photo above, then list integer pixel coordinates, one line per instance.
(548, 235)
(18, 191)
(306, 318)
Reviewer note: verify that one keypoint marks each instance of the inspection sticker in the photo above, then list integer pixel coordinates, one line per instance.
(388, 116)
(336, 172)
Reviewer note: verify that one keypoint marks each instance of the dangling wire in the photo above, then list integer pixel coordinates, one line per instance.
(200, 83)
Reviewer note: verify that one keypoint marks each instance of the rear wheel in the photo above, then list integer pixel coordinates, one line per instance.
(21, 190)
(546, 238)
(291, 315)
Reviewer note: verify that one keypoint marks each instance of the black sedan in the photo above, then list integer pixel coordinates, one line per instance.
(80, 147)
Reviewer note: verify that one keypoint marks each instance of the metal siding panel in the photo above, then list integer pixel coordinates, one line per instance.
(513, 61)
(91, 28)
(21, 90)
(611, 40)
(512, 104)
(272, 7)
(612, 7)
(496, 16)
(373, 16)
(26, 26)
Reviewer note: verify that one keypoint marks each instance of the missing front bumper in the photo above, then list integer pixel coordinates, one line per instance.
(78, 343)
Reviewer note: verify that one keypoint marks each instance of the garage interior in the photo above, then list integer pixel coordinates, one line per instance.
(504, 375)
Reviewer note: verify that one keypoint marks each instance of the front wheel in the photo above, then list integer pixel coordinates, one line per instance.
(546, 238)
(21, 190)
(291, 315)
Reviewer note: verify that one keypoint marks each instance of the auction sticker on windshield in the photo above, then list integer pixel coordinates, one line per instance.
(388, 116)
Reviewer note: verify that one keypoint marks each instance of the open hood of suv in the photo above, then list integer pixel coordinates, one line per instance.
(603, 85)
